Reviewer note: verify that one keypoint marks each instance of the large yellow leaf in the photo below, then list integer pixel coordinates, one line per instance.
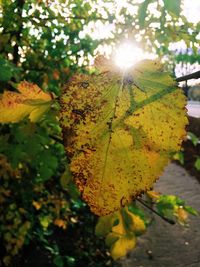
(30, 101)
(120, 130)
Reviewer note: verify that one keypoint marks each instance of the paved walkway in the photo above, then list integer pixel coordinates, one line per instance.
(193, 108)
(171, 245)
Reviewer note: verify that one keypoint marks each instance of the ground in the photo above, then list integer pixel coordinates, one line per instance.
(166, 245)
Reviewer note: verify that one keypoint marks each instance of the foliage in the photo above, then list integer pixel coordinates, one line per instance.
(194, 139)
(120, 229)
(191, 143)
(43, 46)
(29, 200)
(44, 43)
(170, 206)
(197, 163)
(41, 42)
(142, 106)
(32, 101)
(42, 211)
(157, 25)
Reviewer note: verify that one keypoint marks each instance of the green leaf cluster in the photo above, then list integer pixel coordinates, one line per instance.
(7, 70)
(170, 206)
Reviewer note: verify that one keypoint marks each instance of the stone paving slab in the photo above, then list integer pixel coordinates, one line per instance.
(166, 245)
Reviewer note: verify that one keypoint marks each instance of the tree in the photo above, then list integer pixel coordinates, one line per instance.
(45, 43)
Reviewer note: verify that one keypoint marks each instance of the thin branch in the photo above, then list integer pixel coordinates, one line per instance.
(194, 75)
(154, 211)
(87, 18)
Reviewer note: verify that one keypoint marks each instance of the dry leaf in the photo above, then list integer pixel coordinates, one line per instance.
(120, 130)
(30, 101)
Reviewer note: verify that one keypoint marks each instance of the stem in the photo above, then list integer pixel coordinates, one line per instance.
(194, 75)
(154, 211)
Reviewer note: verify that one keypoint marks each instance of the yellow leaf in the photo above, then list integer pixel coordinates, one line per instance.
(45, 221)
(60, 223)
(119, 228)
(121, 238)
(120, 131)
(153, 194)
(182, 215)
(37, 205)
(138, 225)
(129, 222)
(30, 101)
(122, 246)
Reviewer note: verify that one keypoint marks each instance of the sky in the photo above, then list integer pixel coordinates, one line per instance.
(191, 9)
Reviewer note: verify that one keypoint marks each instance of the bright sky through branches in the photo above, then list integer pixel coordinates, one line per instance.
(191, 9)
(128, 50)
(128, 54)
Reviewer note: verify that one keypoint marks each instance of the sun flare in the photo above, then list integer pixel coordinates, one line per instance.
(127, 55)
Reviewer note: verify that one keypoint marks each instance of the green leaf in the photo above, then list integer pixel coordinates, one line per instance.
(5, 70)
(180, 157)
(166, 205)
(193, 138)
(173, 6)
(105, 224)
(45, 221)
(197, 164)
(133, 222)
(66, 177)
(191, 210)
(47, 165)
(142, 12)
(120, 130)
(58, 261)
(137, 211)
(170, 206)
(111, 238)
(73, 191)
(70, 261)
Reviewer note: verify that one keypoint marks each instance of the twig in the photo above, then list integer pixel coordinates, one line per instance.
(154, 211)
(195, 75)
